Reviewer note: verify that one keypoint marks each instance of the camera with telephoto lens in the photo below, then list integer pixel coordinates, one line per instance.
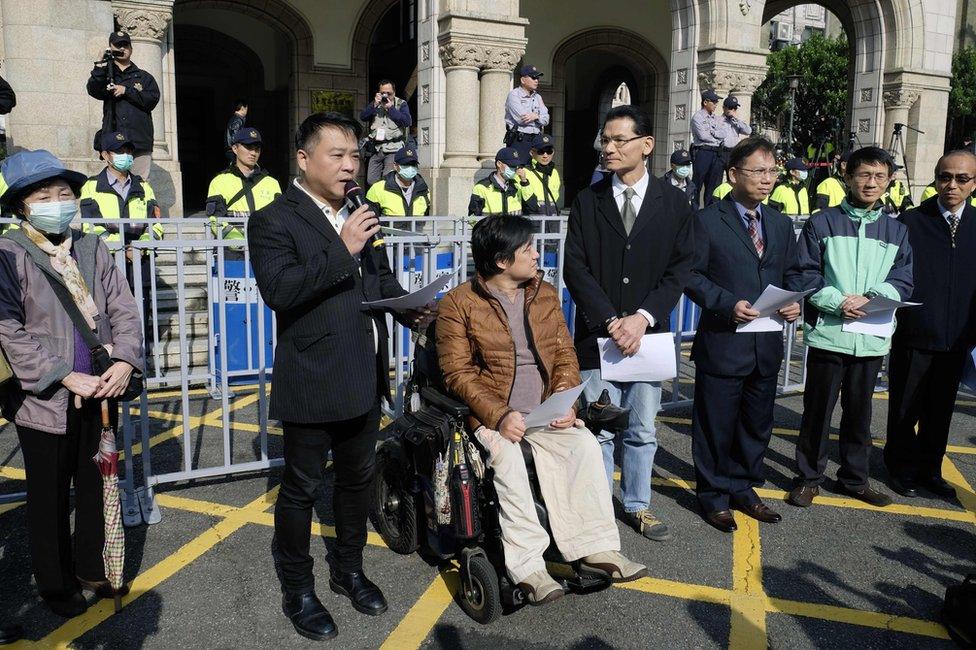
(385, 98)
(108, 56)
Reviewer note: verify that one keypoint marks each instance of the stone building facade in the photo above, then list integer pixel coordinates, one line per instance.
(295, 55)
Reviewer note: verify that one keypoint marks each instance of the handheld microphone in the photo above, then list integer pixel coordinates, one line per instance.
(355, 198)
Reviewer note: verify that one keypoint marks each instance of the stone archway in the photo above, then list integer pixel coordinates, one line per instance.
(637, 62)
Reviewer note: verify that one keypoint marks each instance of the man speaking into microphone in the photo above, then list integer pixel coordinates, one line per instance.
(316, 260)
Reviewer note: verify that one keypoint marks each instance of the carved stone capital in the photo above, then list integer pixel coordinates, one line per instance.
(462, 54)
(502, 57)
(144, 23)
(900, 97)
(729, 79)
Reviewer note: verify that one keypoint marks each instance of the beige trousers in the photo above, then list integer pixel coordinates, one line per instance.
(569, 465)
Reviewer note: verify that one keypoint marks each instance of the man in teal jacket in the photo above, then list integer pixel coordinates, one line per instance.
(849, 254)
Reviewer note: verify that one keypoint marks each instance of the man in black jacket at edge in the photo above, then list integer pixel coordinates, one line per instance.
(316, 262)
(932, 341)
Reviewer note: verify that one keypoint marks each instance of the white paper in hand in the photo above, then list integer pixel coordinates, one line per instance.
(767, 304)
(879, 319)
(419, 298)
(557, 406)
(655, 361)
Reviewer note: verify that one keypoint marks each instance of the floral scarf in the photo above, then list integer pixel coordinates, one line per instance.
(66, 266)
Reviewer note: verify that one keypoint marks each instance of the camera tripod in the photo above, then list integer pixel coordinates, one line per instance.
(896, 146)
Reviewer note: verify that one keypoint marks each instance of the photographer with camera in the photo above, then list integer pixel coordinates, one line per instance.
(389, 118)
(128, 96)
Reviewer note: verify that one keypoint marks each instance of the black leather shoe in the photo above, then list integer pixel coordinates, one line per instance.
(10, 634)
(761, 512)
(867, 494)
(309, 616)
(938, 486)
(68, 606)
(721, 519)
(365, 596)
(903, 485)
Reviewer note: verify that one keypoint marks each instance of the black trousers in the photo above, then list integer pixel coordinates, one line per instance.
(731, 424)
(922, 391)
(709, 167)
(353, 445)
(830, 373)
(52, 462)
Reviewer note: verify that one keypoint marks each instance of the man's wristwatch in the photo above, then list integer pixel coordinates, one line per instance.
(871, 293)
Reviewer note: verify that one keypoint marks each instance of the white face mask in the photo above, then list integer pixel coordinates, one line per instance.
(52, 217)
(684, 171)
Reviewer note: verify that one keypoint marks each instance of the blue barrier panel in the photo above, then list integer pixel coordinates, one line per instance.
(241, 306)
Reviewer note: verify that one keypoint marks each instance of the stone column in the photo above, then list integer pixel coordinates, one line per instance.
(736, 73)
(148, 25)
(918, 100)
(461, 64)
(898, 101)
(496, 83)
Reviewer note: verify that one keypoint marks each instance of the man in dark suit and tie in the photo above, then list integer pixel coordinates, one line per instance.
(315, 263)
(932, 342)
(629, 250)
(741, 247)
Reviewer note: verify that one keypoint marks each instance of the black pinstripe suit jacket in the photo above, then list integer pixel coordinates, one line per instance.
(325, 366)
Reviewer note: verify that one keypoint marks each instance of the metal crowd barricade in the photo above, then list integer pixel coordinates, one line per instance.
(170, 302)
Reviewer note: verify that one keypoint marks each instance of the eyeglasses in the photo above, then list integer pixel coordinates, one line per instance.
(771, 172)
(961, 179)
(864, 177)
(618, 142)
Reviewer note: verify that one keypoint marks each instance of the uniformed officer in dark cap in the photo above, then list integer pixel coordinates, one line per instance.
(526, 114)
(507, 191)
(708, 137)
(402, 192)
(243, 188)
(543, 176)
(681, 176)
(790, 195)
(735, 129)
(128, 96)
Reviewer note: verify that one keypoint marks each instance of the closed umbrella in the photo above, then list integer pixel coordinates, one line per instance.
(113, 553)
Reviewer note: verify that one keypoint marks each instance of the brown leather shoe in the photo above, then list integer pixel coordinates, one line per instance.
(102, 588)
(867, 494)
(802, 495)
(721, 519)
(760, 511)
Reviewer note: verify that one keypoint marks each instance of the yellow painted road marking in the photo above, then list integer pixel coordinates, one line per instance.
(15, 473)
(154, 576)
(423, 616)
(683, 590)
(7, 507)
(857, 617)
(964, 491)
(748, 600)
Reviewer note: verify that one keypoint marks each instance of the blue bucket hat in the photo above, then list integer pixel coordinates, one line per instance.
(27, 167)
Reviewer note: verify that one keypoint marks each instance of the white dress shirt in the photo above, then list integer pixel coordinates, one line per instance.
(640, 189)
(947, 213)
(336, 219)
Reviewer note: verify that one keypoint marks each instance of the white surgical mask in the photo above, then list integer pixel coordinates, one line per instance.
(53, 217)
(407, 172)
(509, 173)
(122, 161)
(684, 171)
(802, 174)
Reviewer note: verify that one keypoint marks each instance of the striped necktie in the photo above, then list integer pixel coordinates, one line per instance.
(754, 231)
(953, 220)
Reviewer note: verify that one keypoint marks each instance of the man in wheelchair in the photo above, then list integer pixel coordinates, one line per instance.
(503, 348)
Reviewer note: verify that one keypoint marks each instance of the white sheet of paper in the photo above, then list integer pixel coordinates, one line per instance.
(767, 304)
(557, 406)
(380, 135)
(880, 318)
(423, 296)
(655, 361)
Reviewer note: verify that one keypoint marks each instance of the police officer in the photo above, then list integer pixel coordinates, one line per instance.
(389, 120)
(896, 198)
(680, 175)
(506, 191)
(526, 114)
(243, 188)
(117, 193)
(721, 191)
(790, 195)
(128, 98)
(735, 129)
(543, 177)
(833, 189)
(402, 192)
(708, 137)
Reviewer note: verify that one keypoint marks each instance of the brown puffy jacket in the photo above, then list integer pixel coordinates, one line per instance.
(477, 353)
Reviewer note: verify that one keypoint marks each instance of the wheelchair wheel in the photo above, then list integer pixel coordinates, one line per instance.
(393, 507)
(479, 594)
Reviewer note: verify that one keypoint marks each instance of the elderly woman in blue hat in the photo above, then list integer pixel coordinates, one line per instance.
(54, 396)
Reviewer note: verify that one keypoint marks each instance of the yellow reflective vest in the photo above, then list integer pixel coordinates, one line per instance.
(830, 193)
(790, 199)
(488, 197)
(545, 186)
(100, 201)
(897, 197)
(231, 192)
(388, 200)
(930, 191)
(722, 190)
